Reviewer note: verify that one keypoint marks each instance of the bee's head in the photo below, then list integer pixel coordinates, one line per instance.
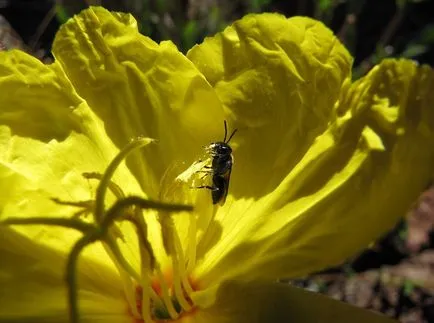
(220, 148)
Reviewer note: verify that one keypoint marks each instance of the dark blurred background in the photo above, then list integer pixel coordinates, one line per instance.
(396, 275)
(371, 29)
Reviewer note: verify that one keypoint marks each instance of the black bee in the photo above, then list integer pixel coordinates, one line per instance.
(220, 168)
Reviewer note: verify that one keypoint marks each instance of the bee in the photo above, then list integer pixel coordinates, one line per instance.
(221, 167)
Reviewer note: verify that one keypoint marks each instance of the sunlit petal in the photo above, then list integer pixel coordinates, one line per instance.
(279, 79)
(139, 88)
(48, 138)
(353, 183)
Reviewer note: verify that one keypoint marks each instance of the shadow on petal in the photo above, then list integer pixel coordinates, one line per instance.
(37, 100)
(33, 287)
(274, 302)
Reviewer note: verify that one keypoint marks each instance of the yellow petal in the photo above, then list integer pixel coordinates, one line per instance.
(279, 79)
(33, 287)
(48, 138)
(354, 182)
(139, 88)
(260, 302)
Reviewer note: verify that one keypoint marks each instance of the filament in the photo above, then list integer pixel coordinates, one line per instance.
(178, 271)
(165, 293)
(191, 246)
(108, 174)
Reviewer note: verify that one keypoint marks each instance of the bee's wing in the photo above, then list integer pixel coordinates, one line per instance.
(227, 178)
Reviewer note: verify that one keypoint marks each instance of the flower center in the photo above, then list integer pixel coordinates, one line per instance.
(159, 311)
(160, 288)
(159, 295)
(152, 293)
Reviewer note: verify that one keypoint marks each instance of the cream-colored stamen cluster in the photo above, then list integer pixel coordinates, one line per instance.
(148, 305)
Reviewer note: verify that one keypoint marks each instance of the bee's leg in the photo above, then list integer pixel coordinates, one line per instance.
(205, 172)
(205, 175)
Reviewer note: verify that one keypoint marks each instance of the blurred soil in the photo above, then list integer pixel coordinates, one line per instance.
(395, 276)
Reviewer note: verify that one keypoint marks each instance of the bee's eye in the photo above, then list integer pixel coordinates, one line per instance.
(224, 150)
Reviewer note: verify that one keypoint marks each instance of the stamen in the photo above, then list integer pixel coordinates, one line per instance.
(112, 186)
(114, 212)
(111, 243)
(112, 215)
(108, 174)
(191, 245)
(109, 217)
(146, 300)
(89, 205)
(155, 297)
(165, 293)
(179, 263)
(127, 284)
(174, 249)
(182, 263)
(148, 261)
(129, 290)
(187, 287)
(142, 233)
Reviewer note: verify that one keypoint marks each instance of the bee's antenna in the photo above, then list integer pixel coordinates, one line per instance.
(233, 133)
(226, 130)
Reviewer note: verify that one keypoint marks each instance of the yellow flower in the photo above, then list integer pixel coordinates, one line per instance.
(322, 166)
